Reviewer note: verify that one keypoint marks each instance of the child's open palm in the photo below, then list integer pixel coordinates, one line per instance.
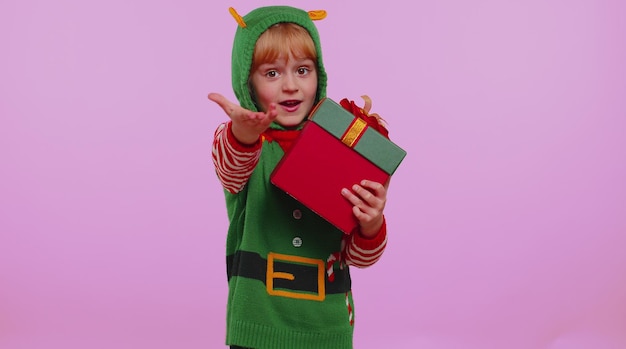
(247, 125)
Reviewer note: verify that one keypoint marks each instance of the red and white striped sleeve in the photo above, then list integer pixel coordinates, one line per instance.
(362, 252)
(234, 161)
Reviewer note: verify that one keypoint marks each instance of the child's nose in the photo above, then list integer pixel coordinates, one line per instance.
(290, 83)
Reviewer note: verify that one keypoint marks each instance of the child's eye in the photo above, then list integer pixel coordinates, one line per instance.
(303, 70)
(271, 74)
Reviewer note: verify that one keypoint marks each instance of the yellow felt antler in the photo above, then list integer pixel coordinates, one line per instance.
(237, 17)
(317, 15)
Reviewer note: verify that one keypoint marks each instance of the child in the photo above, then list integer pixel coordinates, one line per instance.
(288, 276)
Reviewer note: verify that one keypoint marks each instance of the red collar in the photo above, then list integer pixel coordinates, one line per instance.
(285, 138)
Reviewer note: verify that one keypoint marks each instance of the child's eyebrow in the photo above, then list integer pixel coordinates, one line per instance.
(298, 61)
(304, 61)
(267, 65)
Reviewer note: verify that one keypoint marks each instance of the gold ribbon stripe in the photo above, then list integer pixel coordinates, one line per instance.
(355, 130)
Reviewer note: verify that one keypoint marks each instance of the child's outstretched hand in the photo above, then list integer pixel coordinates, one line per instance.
(247, 125)
(369, 199)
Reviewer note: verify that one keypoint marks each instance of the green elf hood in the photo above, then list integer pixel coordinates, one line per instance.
(251, 26)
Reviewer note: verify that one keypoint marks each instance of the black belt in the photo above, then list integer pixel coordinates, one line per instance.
(288, 273)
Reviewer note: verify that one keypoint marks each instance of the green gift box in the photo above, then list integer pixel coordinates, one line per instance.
(355, 133)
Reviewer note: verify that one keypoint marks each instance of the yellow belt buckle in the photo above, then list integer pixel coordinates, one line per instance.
(271, 275)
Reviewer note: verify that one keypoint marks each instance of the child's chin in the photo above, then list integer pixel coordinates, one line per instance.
(289, 121)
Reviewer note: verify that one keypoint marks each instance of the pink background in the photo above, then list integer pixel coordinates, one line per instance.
(507, 219)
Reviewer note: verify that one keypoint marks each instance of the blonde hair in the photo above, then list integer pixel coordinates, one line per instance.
(280, 40)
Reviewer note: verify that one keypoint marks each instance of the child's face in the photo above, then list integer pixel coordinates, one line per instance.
(291, 84)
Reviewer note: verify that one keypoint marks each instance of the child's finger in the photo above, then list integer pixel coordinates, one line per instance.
(272, 113)
(353, 199)
(224, 103)
(370, 197)
(378, 189)
(362, 192)
(356, 198)
(265, 118)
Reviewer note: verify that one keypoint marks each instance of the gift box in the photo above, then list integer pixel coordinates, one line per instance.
(335, 150)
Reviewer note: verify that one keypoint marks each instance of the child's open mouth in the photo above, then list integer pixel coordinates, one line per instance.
(290, 105)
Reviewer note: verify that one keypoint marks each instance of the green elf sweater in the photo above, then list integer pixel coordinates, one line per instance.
(288, 275)
(280, 295)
